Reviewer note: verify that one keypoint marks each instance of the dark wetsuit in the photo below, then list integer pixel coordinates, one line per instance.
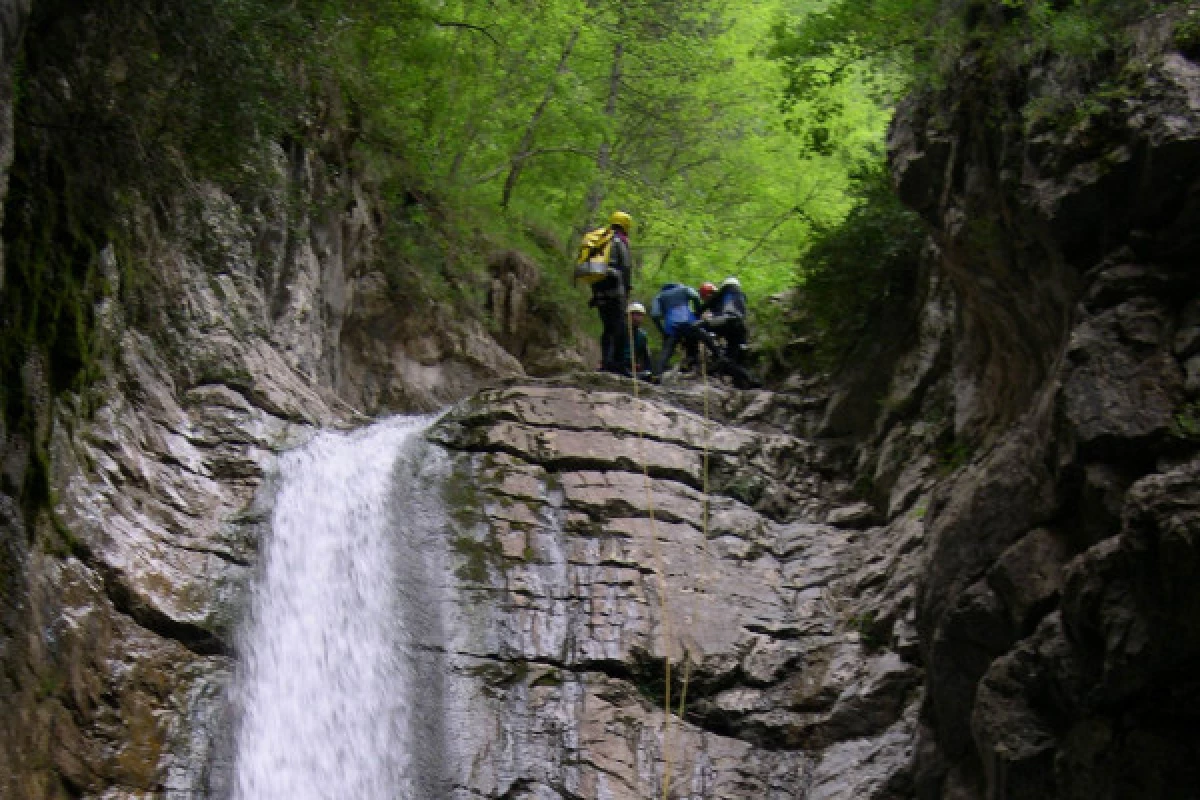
(608, 296)
(728, 320)
(641, 352)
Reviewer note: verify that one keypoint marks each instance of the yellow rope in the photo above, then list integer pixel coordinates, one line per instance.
(658, 559)
(704, 516)
(658, 565)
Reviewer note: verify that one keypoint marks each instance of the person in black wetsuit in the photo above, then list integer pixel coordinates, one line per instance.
(638, 363)
(724, 314)
(609, 294)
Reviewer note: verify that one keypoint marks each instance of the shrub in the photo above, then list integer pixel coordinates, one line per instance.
(854, 271)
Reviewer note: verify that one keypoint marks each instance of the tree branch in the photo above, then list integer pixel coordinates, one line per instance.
(793, 211)
(541, 151)
(467, 26)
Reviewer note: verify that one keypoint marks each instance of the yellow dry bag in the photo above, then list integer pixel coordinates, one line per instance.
(592, 264)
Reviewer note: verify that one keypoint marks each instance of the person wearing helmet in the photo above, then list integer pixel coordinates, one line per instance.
(675, 310)
(609, 293)
(724, 313)
(707, 290)
(639, 362)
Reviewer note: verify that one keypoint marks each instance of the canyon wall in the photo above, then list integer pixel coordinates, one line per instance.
(1057, 604)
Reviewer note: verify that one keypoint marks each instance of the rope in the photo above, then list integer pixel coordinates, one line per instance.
(658, 560)
(704, 517)
(658, 565)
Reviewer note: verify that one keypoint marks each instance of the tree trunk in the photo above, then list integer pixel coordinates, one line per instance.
(604, 154)
(517, 162)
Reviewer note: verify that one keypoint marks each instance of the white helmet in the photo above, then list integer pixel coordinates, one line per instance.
(731, 281)
(636, 308)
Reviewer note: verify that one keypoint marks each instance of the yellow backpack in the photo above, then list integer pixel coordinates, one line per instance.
(592, 263)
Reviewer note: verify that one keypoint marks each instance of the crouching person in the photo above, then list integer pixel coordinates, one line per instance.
(674, 311)
(636, 361)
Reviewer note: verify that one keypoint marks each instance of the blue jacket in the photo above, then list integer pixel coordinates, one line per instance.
(675, 305)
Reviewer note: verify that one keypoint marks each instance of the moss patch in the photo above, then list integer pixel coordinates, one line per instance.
(461, 496)
(477, 556)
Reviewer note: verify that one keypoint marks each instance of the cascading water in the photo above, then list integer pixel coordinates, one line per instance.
(334, 689)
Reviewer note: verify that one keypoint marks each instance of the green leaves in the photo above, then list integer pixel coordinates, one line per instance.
(554, 112)
(857, 269)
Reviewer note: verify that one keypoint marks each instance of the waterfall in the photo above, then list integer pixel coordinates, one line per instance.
(332, 700)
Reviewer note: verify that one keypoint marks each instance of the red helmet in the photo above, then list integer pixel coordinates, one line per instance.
(707, 289)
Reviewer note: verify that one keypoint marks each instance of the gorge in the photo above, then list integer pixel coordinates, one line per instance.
(961, 566)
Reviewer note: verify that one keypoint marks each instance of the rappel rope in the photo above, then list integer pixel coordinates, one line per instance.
(659, 567)
(659, 563)
(704, 517)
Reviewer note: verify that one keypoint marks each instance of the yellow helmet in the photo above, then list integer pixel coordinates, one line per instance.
(622, 219)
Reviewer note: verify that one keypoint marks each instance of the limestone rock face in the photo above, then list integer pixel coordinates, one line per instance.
(584, 568)
(120, 594)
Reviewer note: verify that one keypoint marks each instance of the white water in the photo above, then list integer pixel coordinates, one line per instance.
(325, 693)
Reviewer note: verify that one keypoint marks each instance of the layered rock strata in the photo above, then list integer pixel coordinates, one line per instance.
(586, 557)
(122, 593)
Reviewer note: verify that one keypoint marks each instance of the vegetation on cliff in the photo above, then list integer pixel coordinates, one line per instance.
(1056, 73)
(480, 128)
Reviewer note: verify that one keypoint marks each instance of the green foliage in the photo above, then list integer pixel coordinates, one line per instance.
(886, 43)
(551, 678)
(479, 128)
(953, 454)
(918, 43)
(1186, 422)
(477, 555)
(874, 633)
(461, 498)
(512, 115)
(1187, 34)
(858, 270)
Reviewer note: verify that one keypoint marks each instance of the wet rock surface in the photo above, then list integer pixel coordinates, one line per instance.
(571, 579)
(1004, 607)
(583, 577)
(259, 327)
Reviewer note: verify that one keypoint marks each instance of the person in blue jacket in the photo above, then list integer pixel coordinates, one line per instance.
(675, 310)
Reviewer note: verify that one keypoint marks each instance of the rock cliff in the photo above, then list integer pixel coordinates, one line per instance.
(127, 514)
(134, 502)
(1056, 605)
(590, 564)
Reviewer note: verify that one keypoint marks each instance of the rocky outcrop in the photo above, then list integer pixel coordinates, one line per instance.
(588, 563)
(264, 315)
(153, 486)
(127, 510)
(13, 14)
(1002, 605)
(1059, 441)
